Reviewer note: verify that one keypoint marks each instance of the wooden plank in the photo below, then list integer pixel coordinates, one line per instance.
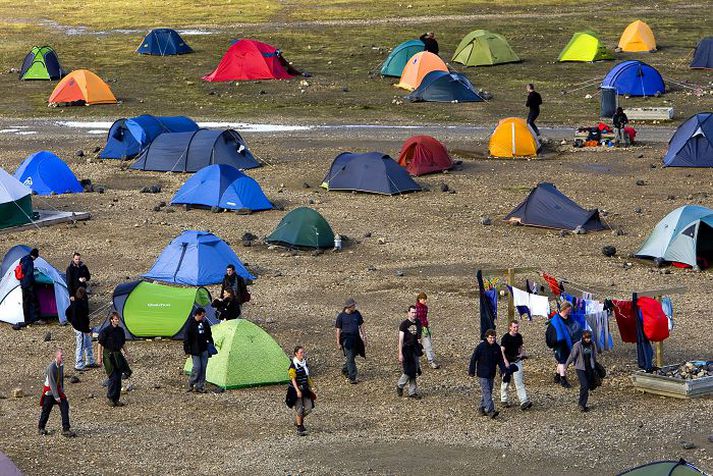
(650, 113)
(48, 218)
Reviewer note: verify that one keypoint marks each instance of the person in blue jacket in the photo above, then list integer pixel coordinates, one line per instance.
(567, 331)
(486, 358)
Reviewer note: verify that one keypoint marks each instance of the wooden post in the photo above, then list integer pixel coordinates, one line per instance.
(510, 276)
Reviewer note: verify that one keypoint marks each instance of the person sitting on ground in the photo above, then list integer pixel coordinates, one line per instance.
(584, 356)
(429, 40)
(227, 306)
(486, 358)
(78, 315)
(300, 394)
(53, 394)
(620, 121)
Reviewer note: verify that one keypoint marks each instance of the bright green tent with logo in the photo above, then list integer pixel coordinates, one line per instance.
(247, 357)
(484, 48)
(585, 46)
(303, 228)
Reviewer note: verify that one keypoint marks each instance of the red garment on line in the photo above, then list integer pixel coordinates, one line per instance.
(624, 314)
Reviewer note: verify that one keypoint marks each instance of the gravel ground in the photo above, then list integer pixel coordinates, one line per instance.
(436, 241)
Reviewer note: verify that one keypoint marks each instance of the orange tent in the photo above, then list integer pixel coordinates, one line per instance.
(419, 66)
(637, 37)
(513, 138)
(82, 85)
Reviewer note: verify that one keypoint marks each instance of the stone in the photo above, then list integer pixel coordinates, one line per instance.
(367, 234)
(564, 233)
(17, 393)
(97, 150)
(451, 191)
(687, 445)
(91, 395)
(170, 210)
(382, 241)
(74, 379)
(317, 252)
(640, 183)
(637, 210)
(161, 203)
(79, 153)
(306, 185)
(277, 274)
(99, 189)
(608, 251)
(216, 210)
(157, 208)
(618, 232)
(47, 337)
(579, 230)
(443, 186)
(671, 197)
(710, 438)
(131, 387)
(399, 273)
(486, 221)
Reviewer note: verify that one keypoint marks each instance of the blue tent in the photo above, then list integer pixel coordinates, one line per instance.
(399, 56)
(703, 56)
(547, 207)
(373, 172)
(45, 173)
(191, 151)
(127, 137)
(163, 42)
(12, 255)
(692, 143)
(196, 258)
(634, 78)
(222, 186)
(442, 86)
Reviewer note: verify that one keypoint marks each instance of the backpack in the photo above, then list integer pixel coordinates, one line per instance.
(551, 336)
(19, 273)
(243, 294)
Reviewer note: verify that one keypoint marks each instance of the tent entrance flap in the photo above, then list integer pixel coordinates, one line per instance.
(704, 245)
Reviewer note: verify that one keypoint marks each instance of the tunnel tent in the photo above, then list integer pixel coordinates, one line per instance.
(127, 137)
(41, 63)
(46, 174)
(15, 201)
(399, 56)
(163, 42)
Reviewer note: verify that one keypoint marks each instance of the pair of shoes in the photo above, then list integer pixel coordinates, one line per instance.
(345, 372)
(82, 369)
(526, 405)
(200, 390)
(42, 431)
(583, 409)
(506, 404)
(565, 383)
(68, 433)
(353, 381)
(434, 365)
(415, 396)
(399, 391)
(481, 411)
(116, 403)
(493, 414)
(301, 430)
(93, 366)
(557, 378)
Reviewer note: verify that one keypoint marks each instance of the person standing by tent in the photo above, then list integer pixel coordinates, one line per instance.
(559, 336)
(30, 304)
(422, 315)
(429, 40)
(351, 338)
(620, 121)
(227, 306)
(78, 315)
(53, 394)
(237, 283)
(195, 343)
(409, 352)
(513, 349)
(486, 357)
(299, 393)
(112, 340)
(533, 103)
(77, 275)
(584, 356)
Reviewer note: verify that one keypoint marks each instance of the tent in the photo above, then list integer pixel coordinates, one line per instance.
(703, 56)
(418, 66)
(665, 468)
(127, 137)
(248, 60)
(195, 258)
(222, 186)
(484, 48)
(637, 37)
(148, 310)
(41, 63)
(50, 287)
(547, 207)
(399, 56)
(302, 228)
(7, 467)
(442, 86)
(247, 357)
(634, 78)
(373, 172)
(15, 201)
(424, 155)
(692, 143)
(683, 236)
(46, 174)
(513, 137)
(82, 86)
(163, 42)
(12, 255)
(585, 46)
(191, 151)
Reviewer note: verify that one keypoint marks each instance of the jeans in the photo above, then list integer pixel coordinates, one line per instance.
(113, 391)
(200, 364)
(30, 305)
(83, 346)
(486, 398)
(621, 136)
(519, 379)
(47, 405)
(350, 368)
(531, 116)
(427, 344)
(404, 379)
(583, 387)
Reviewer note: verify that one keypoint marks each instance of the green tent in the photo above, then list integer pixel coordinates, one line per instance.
(303, 228)
(483, 48)
(665, 468)
(41, 63)
(585, 46)
(15, 201)
(247, 357)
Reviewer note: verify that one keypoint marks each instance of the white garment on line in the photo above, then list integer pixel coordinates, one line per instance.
(538, 305)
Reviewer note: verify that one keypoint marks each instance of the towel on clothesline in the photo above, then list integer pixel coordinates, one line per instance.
(536, 305)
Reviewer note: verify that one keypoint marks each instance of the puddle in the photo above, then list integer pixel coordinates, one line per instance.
(85, 30)
(18, 131)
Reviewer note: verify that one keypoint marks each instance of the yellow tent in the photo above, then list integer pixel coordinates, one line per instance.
(419, 66)
(82, 85)
(637, 37)
(513, 138)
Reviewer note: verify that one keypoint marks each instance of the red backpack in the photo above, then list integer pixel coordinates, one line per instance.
(19, 274)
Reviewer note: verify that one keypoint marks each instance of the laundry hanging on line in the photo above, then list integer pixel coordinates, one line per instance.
(530, 304)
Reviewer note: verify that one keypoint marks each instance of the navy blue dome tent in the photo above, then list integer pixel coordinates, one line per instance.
(373, 172)
(163, 42)
(634, 78)
(46, 174)
(703, 56)
(692, 143)
(191, 151)
(442, 86)
(127, 137)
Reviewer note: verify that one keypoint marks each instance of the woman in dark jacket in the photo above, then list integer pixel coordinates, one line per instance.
(584, 356)
(227, 306)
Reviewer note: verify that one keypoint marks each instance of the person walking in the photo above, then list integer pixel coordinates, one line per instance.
(562, 331)
(195, 343)
(584, 356)
(112, 340)
(351, 338)
(534, 101)
(300, 394)
(30, 304)
(409, 352)
(78, 315)
(77, 275)
(429, 41)
(513, 348)
(486, 358)
(53, 394)
(227, 306)
(426, 337)
(620, 121)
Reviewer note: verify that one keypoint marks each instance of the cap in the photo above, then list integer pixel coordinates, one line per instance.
(349, 303)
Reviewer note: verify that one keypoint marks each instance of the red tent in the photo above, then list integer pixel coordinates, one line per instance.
(248, 60)
(424, 155)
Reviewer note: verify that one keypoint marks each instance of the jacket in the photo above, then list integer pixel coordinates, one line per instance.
(577, 356)
(193, 342)
(54, 382)
(486, 359)
(28, 269)
(74, 272)
(422, 314)
(620, 120)
(237, 284)
(227, 308)
(78, 315)
(534, 100)
(430, 44)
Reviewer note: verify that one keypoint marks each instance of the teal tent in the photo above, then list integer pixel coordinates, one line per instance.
(396, 61)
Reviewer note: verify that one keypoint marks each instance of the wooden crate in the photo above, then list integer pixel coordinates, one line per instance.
(672, 387)
(649, 113)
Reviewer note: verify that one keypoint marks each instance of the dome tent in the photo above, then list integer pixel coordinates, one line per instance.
(397, 59)
(484, 48)
(248, 60)
(634, 78)
(15, 201)
(637, 37)
(692, 143)
(222, 186)
(513, 137)
(41, 63)
(424, 155)
(417, 67)
(442, 86)
(46, 174)
(703, 56)
(302, 228)
(127, 137)
(585, 46)
(163, 42)
(82, 87)
(12, 255)
(373, 172)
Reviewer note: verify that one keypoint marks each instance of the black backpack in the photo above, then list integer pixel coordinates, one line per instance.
(551, 336)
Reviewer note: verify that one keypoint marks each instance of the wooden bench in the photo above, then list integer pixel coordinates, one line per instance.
(649, 113)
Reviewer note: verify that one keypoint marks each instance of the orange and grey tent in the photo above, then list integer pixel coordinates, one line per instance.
(637, 37)
(513, 137)
(82, 85)
(419, 66)
(424, 155)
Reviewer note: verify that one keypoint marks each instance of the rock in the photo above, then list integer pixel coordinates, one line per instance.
(640, 183)
(243, 211)
(608, 251)
(564, 233)
(310, 202)
(710, 438)
(371, 268)
(96, 150)
(628, 265)
(653, 166)
(216, 210)
(17, 393)
(637, 210)
(131, 387)
(399, 273)
(262, 92)
(618, 232)
(74, 379)
(47, 337)
(248, 236)
(277, 274)
(187, 206)
(579, 230)
(671, 197)
(382, 241)
(170, 210)
(451, 191)
(91, 395)
(162, 204)
(306, 185)
(156, 208)
(687, 445)
(79, 153)
(317, 252)
(444, 187)
(367, 234)
(486, 221)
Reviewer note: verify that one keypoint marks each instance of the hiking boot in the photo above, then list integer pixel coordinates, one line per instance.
(526, 405)
(42, 431)
(434, 365)
(557, 378)
(565, 383)
(68, 433)
(583, 409)
(493, 414)
(301, 430)
(353, 381)
(93, 366)
(399, 391)
(200, 390)
(481, 411)
(119, 403)
(506, 404)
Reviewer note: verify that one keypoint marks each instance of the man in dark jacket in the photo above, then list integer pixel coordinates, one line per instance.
(112, 340)
(486, 358)
(78, 315)
(409, 353)
(195, 343)
(237, 283)
(534, 101)
(30, 305)
(77, 275)
(429, 40)
(351, 337)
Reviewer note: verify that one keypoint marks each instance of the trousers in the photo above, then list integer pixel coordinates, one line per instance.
(519, 379)
(47, 405)
(486, 397)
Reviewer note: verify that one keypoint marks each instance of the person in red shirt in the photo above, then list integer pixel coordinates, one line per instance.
(422, 316)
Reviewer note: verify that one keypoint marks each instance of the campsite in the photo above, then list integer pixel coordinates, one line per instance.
(395, 243)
